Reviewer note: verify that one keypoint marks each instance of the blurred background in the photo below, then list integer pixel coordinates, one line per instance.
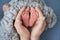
(50, 34)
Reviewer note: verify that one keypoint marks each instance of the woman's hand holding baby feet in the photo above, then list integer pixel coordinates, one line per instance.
(36, 17)
(31, 17)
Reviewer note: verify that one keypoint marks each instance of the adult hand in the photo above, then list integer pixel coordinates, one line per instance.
(39, 25)
(22, 31)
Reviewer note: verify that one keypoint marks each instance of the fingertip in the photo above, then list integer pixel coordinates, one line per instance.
(27, 9)
(22, 9)
(36, 8)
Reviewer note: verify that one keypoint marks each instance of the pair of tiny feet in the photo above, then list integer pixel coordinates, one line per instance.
(29, 15)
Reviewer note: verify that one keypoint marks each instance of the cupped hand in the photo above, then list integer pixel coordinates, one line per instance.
(39, 25)
(35, 18)
(22, 31)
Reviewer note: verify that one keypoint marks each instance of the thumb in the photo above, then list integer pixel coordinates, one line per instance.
(18, 23)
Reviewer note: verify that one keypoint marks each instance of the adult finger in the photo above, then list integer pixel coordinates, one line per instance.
(39, 11)
(37, 30)
(19, 14)
(27, 9)
(18, 18)
(41, 17)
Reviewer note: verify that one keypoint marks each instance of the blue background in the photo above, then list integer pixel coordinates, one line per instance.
(50, 34)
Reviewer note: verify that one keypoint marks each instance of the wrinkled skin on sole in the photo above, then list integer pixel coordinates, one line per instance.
(29, 17)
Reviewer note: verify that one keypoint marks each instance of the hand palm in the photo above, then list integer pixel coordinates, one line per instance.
(39, 25)
(22, 31)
